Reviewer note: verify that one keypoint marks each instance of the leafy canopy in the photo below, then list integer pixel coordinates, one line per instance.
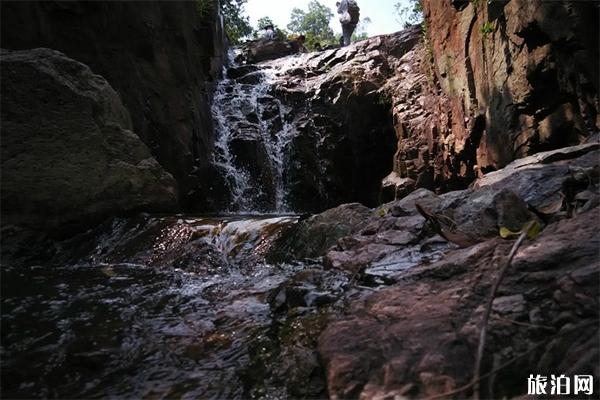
(314, 24)
(263, 22)
(237, 23)
(411, 14)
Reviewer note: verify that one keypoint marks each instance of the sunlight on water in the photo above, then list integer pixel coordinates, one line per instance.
(165, 307)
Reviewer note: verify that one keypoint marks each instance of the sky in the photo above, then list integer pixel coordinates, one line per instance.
(383, 18)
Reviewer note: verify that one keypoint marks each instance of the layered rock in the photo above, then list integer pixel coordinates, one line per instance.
(159, 56)
(495, 81)
(69, 155)
(418, 337)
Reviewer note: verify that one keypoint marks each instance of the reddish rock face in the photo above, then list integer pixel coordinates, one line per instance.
(419, 337)
(490, 83)
(494, 82)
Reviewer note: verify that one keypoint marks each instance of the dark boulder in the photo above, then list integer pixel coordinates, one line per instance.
(263, 50)
(162, 57)
(312, 237)
(69, 156)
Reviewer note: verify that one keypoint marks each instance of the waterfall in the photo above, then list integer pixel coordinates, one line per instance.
(252, 140)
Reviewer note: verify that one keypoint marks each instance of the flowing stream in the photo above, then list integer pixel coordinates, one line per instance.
(159, 307)
(171, 306)
(182, 306)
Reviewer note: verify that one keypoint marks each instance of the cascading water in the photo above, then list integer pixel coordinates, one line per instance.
(252, 138)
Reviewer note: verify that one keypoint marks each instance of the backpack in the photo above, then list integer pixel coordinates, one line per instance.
(352, 14)
(352, 5)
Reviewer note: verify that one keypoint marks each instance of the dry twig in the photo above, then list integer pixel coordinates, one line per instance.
(509, 362)
(488, 310)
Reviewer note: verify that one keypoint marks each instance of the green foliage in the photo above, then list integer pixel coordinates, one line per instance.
(427, 64)
(487, 28)
(205, 8)
(237, 23)
(280, 34)
(264, 22)
(409, 15)
(314, 24)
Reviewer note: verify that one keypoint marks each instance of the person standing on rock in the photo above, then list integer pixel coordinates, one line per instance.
(268, 32)
(349, 16)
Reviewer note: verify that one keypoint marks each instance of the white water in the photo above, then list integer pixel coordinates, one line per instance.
(233, 102)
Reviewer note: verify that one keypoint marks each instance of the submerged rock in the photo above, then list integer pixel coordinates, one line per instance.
(312, 237)
(69, 157)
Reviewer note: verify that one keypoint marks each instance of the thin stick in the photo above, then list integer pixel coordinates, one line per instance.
(509, 362)
(488, 310)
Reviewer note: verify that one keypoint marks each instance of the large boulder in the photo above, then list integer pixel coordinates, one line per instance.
(313, 236)
(162, 57)
(69, 156)
(262, 50)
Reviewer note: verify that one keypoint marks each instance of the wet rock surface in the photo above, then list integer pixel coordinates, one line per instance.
(345, 138)
(314, 124)
(164, 306)
(311, 238)
(69, 156)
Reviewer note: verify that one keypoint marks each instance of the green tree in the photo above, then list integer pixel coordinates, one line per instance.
(263, 22)
(314, 24)
(237, 23)
(409, 13)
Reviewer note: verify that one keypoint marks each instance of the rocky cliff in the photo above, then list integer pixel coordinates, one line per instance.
(495, 81)
(318, 124)
(478, 86)
(159, 56)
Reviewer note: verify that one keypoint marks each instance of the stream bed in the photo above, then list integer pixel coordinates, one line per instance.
(167, 307)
